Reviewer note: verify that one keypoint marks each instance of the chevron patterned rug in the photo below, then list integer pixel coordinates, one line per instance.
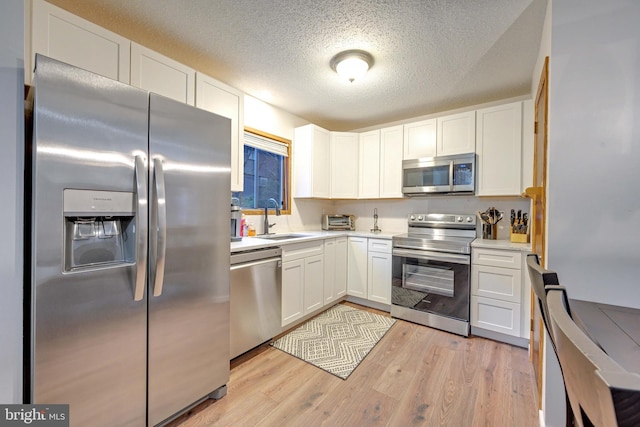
(336, 340)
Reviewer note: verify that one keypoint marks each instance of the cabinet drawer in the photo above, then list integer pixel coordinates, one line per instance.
(496, 258)
(495, 315)
(380, 245)
(302, 250)
(494, 282)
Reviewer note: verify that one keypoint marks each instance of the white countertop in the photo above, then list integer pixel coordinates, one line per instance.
(501, 244)
(249, 243)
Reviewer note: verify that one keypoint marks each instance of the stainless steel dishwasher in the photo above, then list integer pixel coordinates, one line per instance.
(256, 298)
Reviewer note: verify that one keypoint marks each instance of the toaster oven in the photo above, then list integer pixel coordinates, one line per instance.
(338, 222)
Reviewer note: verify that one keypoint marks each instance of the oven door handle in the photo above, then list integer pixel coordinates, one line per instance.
(430, 255)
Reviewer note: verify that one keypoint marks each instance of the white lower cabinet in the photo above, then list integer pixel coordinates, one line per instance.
(499, 292)
(379, 271)
(313, 283)
(335, 269)
(292, 290)
(495, 315)
(357, 267)
(302, 280)
(369, 266)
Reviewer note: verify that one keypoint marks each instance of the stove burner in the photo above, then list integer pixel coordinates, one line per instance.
(438, 232)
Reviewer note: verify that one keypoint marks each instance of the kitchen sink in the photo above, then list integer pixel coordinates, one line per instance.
(282, 236)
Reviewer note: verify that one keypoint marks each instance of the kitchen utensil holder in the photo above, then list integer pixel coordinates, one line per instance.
(489, 231)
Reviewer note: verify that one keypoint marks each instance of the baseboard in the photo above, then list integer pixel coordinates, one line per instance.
(497, 336)
(368, 303)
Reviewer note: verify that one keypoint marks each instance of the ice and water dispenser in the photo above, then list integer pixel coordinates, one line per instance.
(99, 228)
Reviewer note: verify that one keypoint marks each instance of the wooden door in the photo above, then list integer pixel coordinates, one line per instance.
(538, 214)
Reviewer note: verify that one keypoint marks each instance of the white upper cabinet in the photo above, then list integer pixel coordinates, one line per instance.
(58, 34)
(162, 75)
(311, 162)
(499, 150)
(456, 134)
(420, 139)
(391, 140)
(381, 163)
(344, 165)
(528, 141)
(369, 182)
(217, 97)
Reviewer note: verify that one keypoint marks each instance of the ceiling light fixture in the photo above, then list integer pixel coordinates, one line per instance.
(351, 64)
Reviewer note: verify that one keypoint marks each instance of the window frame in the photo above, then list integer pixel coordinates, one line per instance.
(286, 174)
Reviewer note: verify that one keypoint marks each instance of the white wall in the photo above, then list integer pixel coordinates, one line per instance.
(594, 149)
(594, 155)
(11, 187)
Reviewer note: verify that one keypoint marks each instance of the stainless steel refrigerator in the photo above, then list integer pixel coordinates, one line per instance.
(128, 302)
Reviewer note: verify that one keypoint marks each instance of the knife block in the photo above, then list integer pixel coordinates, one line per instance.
(519, 237)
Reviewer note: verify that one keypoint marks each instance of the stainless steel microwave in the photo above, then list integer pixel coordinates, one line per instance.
(439, 175)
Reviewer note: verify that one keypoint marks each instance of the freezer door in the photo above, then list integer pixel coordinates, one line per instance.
(87, 328)
(189, 308)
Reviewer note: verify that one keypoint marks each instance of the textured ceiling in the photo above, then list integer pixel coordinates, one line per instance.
(430, 55)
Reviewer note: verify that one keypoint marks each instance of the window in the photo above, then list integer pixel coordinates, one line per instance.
(266, 172)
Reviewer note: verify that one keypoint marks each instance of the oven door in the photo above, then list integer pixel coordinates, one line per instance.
(434, 282)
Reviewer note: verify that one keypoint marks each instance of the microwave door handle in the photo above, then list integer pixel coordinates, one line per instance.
(451, 175)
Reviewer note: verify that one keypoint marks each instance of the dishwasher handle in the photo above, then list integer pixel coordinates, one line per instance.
(254, 263)
(243, 257)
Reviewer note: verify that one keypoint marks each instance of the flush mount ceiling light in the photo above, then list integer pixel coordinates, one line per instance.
(351, 64)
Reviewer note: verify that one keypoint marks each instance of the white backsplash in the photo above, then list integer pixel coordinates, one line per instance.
(392, 213)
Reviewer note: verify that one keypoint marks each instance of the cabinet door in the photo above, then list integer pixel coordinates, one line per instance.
(357, 267)
(61, 35)
(499, 150)
(329, 270)
(311, 162)
(494, 282)
(313, 283)
(391, 162)
(214, 96)
(379, 277)
(157, 73)
(292, 290)
(495, 315)
(344, 165)
(369, 180)
(340, 284)
(457, 134)
(420, 139)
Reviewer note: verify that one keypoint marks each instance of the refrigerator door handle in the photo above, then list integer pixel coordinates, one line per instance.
(160, 238)
(141, 228)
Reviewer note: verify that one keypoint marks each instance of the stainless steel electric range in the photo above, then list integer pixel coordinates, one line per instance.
(432, 271)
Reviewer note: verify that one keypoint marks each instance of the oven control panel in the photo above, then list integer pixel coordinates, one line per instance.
(442, 220)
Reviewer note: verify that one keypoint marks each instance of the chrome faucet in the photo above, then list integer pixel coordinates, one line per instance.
(267, 226)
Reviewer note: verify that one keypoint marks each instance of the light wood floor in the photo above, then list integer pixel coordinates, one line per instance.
(415, 376)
